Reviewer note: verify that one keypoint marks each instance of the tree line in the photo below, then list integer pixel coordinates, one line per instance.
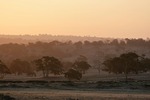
(125, 64)
(69, 50)
(47, 65)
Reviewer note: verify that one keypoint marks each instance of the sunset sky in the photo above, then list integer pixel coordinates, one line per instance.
(103, 18)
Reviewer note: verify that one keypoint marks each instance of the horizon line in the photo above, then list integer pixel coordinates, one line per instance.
(82, 36)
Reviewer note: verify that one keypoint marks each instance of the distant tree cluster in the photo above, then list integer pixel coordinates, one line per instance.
(48, 65)
(28, 58)
(69, 49)
(127, 63)
(79, 67)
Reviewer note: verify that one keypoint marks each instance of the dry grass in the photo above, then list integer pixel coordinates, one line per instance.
(72, 95)
(92, 87)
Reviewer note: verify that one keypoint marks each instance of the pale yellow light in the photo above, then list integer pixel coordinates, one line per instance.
(105, 18)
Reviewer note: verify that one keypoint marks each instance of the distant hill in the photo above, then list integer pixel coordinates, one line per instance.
(46, 38)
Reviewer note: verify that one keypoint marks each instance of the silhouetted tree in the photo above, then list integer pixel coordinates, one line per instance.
(73, 74)
(78, 45)
(113, 65)
(130, 61)
(145, 64)
(19, 67)
(3, 70)
(124, 64)
(87, 43)
(81, 66)
(97, 65)
(49, 65)
(114, 42)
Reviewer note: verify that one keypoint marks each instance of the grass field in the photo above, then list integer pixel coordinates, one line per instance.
(91, 87)
(40, 94)
(64, 90)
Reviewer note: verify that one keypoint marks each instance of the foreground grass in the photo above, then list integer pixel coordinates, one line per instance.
(64, 90)
(141, 86)
(71, 95)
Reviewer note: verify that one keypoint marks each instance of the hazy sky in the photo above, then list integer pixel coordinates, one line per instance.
(104, 18)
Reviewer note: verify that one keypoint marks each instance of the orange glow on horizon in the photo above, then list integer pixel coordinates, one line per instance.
(104, 18)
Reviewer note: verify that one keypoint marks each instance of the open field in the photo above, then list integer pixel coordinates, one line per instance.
(65, 90)
(44, 94)
(91, 87)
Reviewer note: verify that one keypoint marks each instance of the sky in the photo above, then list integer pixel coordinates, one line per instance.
(102, 18)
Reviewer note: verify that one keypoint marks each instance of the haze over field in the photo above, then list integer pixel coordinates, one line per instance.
(104, 18)
(75, 49)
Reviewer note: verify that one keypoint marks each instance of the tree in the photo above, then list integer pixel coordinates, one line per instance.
(49, 65)
(78, 45)
(3, 70)
(145, 64)
(73, 74)
(19, 67)
(97, 65)
(124, 64)
(113, 65)
(114, 42)
(81, 66)
(130, 62)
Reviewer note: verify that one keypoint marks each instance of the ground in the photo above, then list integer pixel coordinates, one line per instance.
(91, 87)
(38, 94)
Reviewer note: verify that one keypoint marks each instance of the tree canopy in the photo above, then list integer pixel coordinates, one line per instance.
(73, 74)
(3, 69)
(19, 67)
(124, 64)
(81, 66)
(48, 65)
